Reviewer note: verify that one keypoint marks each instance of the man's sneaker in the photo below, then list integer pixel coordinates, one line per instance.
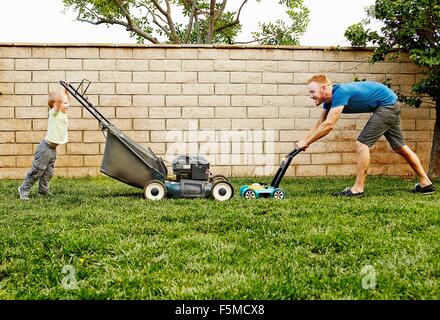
(44, 194)
(348, 193)
(424, 190)
(22, 195)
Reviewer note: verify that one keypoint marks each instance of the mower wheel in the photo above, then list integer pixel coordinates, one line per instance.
(278, 194)
(249, 194)
(218, 177)
(222, 190)
(155, 190)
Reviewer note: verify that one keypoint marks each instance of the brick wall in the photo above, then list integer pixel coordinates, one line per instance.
(242, 107)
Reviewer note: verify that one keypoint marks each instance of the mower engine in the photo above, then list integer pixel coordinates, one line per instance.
(192, 174)
(191, 167)
(194, 180)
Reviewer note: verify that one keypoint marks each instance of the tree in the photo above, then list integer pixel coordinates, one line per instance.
(206, 21)
(411, 26)
(280, 33)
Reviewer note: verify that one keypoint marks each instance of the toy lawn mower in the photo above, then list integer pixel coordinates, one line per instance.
(131, 163)
(258, 190)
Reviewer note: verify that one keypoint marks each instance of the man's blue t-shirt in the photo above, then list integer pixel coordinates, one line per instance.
(361, 97)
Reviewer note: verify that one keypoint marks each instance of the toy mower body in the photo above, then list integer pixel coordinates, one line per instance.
(258, 190)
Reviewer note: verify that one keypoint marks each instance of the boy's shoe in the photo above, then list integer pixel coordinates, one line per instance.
(424, 190)
(348, 193)
(44, 194)
(22, 195)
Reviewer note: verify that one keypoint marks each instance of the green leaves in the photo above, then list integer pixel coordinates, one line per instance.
(281, 33)
(357, 35)
(411, 26)
(426, 57)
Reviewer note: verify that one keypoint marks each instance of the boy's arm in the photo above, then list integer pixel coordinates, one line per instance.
(66, 92)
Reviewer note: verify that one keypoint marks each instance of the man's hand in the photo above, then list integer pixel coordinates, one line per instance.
(298, 146)
(303, 145)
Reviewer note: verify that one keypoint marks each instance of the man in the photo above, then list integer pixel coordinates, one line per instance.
(363, 97)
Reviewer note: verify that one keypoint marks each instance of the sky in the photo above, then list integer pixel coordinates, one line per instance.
(44, 21)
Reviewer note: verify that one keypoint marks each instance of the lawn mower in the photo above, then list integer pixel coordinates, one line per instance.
(131, 163)
(261, 190)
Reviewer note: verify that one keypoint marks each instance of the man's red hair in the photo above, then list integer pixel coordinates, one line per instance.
(321, 79)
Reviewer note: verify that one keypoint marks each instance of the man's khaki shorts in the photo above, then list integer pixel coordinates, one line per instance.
(384, 121)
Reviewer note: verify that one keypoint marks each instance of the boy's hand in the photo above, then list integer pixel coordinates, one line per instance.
(67, 83)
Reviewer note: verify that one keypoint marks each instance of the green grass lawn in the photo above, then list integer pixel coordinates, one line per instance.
(113, 244)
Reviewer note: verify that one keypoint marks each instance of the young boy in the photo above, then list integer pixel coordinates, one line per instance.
(46, 154)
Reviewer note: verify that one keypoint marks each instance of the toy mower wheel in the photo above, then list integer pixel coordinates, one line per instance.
(278, 194)
(249, 194)
(222, 190)
(155, 190)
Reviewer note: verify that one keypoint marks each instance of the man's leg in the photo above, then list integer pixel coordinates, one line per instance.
(373, 130)
(363, 161)
(414, 161)
(395, 138)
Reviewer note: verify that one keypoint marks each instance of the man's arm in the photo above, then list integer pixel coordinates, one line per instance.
(315, 127)
(322, 128)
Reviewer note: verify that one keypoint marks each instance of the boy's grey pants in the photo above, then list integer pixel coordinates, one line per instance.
(42, 169)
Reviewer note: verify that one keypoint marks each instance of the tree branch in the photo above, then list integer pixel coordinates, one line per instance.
(191, 20)
(122, 23)
(252, 41)
(233, 23)
(199, 35)
(230, 24)
(167, 14)
(89, 10)
(131, 26)
(157, 5)
(239, 10)
(153, 15)
(210, 34)
(220, 12)
(124, 12)
(245, 42)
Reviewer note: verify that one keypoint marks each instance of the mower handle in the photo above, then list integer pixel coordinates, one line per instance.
(80, 95)
(283, 167)
(294, 152)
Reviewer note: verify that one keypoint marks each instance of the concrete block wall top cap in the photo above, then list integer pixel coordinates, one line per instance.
(135, 45)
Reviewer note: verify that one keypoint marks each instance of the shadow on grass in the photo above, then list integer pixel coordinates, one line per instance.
(133, 195)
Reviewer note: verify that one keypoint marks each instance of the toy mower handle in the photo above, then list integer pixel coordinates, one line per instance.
(283, 167)
(294, 152)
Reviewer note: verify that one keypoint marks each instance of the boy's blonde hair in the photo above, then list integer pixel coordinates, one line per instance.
(53, 97)
(321, 79)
